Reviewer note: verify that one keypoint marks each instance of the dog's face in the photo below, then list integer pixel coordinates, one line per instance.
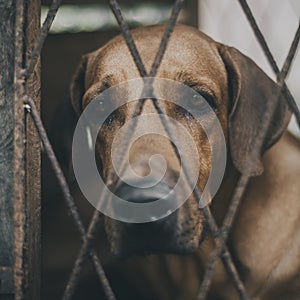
(223, 76)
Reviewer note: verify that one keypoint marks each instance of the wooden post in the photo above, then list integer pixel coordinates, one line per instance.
(19, 154)
(7, 32)
(26, 158)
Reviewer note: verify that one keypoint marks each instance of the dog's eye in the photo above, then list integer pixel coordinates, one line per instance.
(197, 104)
(196, 101)
(102, 110)
(101, 107)
(201, 99)
(102, 104)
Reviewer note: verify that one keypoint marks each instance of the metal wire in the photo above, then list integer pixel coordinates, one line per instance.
(66, 192)
(127, 35)
(44, 31)
(290, 57)
(220, 235)
(165, 39)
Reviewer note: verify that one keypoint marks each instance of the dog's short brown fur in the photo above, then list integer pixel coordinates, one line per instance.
(265, 239)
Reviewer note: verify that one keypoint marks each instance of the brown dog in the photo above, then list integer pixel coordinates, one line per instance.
(265, 240)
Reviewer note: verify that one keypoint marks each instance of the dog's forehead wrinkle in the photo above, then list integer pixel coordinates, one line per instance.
(187, 49)
(108, 80)
(199, 82)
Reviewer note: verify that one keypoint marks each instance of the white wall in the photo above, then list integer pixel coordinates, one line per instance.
(225, 21)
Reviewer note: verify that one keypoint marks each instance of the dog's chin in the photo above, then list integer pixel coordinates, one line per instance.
(162, 236)
(138, 242)
(127, 251)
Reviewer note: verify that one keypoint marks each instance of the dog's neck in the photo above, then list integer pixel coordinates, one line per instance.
(264, 212)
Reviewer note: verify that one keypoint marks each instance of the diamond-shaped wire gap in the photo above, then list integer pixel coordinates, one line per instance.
(243, 181)
(137, 59)
(92, 227)
(288, 96)
(134, 52)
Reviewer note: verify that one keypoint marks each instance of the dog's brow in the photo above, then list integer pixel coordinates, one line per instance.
(200, 87)
(201, 84)
(187, 79)
(191, 83)
(106, 82)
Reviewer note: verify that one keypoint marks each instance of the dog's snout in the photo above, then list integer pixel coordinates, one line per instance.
(136, 192)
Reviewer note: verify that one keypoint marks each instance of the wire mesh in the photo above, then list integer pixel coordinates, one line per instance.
(220, 235)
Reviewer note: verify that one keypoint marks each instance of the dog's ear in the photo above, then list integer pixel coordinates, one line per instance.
(250, 89)
(77, 87)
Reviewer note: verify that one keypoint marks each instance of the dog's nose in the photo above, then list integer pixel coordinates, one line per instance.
(133, 191)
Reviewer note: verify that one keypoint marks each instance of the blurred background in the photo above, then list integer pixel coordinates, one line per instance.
(82, 26)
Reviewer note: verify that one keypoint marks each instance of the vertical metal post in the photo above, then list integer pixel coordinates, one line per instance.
(26, 162)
